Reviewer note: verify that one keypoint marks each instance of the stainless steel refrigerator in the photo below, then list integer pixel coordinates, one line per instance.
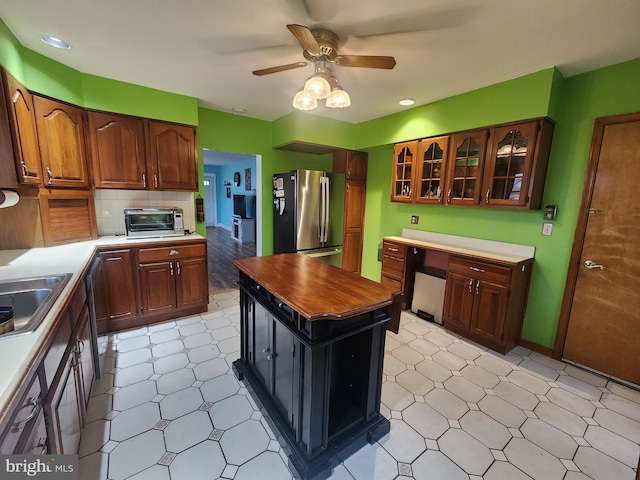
(308, 214)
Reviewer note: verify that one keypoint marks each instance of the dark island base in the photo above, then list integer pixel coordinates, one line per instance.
(321, 466)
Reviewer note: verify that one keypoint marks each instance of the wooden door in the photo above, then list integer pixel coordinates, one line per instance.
(158, 287)
(603, 304)
(61, 141)
(22, 123)
(465, 164)
(354, 201)
(192, 282)
(489, 310)
(172, 153)
(117, 271)
(458, 300)
(117, 151)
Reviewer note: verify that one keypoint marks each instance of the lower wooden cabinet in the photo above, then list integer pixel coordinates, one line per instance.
(25, 423)
(120, 289)
(485, 301)
(399, 263)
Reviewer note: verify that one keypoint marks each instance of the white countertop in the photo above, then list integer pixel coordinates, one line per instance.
(491, 250)
(17, 350)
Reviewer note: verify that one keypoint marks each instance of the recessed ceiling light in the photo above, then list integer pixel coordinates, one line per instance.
(407, 102)
(238, 110)
(55, 42)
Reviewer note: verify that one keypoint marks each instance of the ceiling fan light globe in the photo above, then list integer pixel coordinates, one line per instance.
(338, 99)
(317, 87)
(302, 101)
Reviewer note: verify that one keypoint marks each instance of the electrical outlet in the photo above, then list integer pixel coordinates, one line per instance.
(547, 228)
(414, 219)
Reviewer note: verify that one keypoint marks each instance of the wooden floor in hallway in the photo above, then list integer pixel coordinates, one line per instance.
(222, 248)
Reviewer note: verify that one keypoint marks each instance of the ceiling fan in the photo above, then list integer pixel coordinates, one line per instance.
(321, 45)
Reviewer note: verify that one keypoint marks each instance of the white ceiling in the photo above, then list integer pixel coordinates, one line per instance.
(208, 48)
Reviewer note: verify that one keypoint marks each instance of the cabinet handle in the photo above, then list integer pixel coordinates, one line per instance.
(280, 305)
(269, 357)
(470, 285)
(155, 181)
(487, 196)
(171, 268)
(81, 344)
(144, 180)
(42, 445)
(178, 265)
(449, 196)
(265, 350)
(35, 408)
(25, 170)
(477, 286)
(476, 269)
(174, 252)
(50, 176)
(392, 249)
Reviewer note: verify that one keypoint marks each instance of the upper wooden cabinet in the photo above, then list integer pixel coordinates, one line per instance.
(516, 166)
(466, 158)
(172, 157)
(502, 166)
(117, 151)
(61, 141)
(402, 183)
(21, 128)
(431, 168)
(352, 163)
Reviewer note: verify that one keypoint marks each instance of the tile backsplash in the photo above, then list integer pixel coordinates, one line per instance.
(110, 205)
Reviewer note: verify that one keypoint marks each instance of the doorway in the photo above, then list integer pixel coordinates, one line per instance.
(600, 316)
(210, 209)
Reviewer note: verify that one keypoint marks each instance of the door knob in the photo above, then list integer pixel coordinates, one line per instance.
(590, 264)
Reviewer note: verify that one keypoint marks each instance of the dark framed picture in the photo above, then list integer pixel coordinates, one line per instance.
(228, 192)
(247, 179)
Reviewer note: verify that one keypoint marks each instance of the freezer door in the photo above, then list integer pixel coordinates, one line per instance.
(309, 201)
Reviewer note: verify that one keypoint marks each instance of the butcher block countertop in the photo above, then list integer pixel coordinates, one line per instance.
(315, 289)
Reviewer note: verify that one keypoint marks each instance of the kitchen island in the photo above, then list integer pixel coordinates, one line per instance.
(312, 349)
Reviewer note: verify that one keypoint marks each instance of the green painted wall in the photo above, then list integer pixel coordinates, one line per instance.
(10, 53)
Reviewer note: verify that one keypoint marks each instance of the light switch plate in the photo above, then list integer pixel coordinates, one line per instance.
(547, 228)
(414, 219)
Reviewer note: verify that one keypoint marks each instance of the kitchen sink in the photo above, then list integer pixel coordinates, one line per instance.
(31, 299)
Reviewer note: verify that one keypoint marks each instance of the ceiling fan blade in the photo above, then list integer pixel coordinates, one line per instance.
(365, 61)
(306, 39)
(281, 68)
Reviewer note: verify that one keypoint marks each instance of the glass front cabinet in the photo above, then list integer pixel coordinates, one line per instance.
(405, 156)
(502, 166)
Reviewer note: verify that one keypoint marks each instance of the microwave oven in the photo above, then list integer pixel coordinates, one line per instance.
(153, 222)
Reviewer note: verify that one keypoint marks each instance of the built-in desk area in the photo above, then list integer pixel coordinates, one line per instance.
(487, 282)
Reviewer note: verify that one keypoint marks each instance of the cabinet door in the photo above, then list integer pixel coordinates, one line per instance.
(61, 142)
(158, 287)
(22, 125)
(172, 154)
(67, 216)
(458, 300)
(63, 409)
(509, 162)
(355, 198)
(117, 151)
(356, 165)
(262, 353)
(489, 310)
(283, 370)
(19, 425)
(119, 283)
(192, 282)
(404, 159)
(86, 370)
(430, 170)
(464, 173)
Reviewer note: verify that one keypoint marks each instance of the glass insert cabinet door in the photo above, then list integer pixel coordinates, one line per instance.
(431, 170)
(405, 156)
(508, 170)
(465, 167)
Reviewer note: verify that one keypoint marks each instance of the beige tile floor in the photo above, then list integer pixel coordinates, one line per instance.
(169, 407)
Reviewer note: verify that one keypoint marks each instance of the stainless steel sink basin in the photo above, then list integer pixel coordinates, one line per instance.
(31, 299)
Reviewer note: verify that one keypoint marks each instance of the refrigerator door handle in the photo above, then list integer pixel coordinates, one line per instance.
(324, 210)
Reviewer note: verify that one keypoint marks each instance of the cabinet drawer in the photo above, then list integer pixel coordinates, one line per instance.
(395, 249)
(480, 269)
(174, 252)
(26, 413)
(391, 282)
(392, 266)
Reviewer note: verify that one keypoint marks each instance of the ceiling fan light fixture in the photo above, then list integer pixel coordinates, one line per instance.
(338, 99)
(317, 87)
(302, 101)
